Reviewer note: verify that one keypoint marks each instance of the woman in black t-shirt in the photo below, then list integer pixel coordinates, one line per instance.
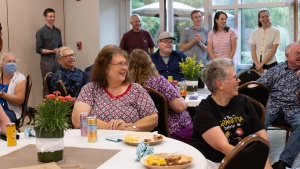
(223, 118)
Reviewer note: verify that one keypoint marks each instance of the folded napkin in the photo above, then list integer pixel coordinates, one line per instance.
(117, 138)
(29, 132)
(143, 149)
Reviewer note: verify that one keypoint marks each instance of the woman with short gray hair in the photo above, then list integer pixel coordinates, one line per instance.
(224, 118)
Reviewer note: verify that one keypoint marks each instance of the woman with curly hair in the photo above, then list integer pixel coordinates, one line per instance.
(142, 70)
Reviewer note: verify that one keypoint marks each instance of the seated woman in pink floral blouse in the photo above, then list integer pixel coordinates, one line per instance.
(112, 98)
(143, 71)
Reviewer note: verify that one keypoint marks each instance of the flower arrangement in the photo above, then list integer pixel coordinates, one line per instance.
(53, 113)
(190, 68)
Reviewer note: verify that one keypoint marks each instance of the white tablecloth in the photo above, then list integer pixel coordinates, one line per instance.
(201, 93)
(126, 158)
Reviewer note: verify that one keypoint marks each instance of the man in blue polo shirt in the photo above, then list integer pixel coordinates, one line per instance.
(166, 59)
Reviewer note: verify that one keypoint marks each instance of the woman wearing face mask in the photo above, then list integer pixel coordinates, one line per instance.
(12, 87)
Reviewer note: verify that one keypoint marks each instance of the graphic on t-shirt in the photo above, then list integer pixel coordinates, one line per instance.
(227, 134)
(231, 127)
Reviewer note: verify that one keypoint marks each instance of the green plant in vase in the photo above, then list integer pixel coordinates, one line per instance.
(191, 69)
(51, 121)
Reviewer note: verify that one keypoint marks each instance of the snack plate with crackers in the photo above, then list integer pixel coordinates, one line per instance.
(167, 161)
(135, 138)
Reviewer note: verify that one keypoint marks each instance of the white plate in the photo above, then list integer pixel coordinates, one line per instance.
(183, 158)
(135, 138)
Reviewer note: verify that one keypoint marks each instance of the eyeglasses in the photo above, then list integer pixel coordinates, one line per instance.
(235, 77)
(121, 64)
(69, 56)
(168, 42)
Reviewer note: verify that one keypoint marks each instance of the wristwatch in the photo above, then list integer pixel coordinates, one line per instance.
(133, 127)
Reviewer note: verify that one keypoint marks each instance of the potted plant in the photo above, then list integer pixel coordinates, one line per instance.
(50, 123)
(191, 69)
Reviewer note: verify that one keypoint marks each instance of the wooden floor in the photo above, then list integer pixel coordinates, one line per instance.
(277, 142)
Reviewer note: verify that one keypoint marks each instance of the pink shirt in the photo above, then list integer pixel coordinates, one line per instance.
(221, 42)
(131, 106)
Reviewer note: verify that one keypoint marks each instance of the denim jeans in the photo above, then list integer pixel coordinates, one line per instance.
(11, 115)
(292, 147)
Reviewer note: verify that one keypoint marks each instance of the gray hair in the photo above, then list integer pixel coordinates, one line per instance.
(134, 15)
(288, 47)
(3, 57)
(214, 70)
(61, 50)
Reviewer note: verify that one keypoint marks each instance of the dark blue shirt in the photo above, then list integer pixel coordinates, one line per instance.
(172, 68)
(71, 80)
(283, 83)
(47, 38)
(3, 102)
(86, 77)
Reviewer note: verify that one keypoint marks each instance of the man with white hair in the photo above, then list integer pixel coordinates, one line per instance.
(137, 38)
(67, 72)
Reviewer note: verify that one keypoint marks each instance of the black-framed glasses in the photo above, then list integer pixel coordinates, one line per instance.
(121, 64)
(168, 42)
(69, 56)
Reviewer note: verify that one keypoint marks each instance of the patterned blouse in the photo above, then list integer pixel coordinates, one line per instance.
(176, 121)
(131, 106)
(283, 84)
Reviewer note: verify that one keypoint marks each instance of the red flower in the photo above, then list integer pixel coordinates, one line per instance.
(50, 96)
(56, 93)
(68, 97)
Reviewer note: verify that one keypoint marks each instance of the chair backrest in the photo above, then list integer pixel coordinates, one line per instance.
(62, 88)
(259, 108)
(256, 91)
(47, 84)
(298, 96)
(161, 104)
(249, 75)
(24, 105)
(251, 152)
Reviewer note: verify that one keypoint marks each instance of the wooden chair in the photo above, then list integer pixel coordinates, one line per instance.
(251, 152)
(47, 84)
(161, 104)
(249, 75)
(20, 122)
(62, 88)
(259, 108)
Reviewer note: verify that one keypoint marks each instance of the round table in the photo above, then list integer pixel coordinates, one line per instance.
(125, 158)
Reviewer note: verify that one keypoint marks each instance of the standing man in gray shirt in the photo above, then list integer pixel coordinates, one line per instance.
(48, 40)
(193, 39)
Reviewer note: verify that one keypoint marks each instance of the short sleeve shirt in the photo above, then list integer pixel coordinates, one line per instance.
(187, 35)
(176, 121)
(237, 120)
(132, 106)
(221, 42)
(264, 39)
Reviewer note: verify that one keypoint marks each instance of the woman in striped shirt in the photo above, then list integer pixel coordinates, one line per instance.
(222, 40)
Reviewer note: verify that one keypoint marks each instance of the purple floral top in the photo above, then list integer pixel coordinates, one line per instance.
(131, 106)
(176, 121)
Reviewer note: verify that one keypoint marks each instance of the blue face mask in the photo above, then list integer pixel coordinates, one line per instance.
(10, 68)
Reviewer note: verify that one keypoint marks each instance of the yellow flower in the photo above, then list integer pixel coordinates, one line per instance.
(190, 67)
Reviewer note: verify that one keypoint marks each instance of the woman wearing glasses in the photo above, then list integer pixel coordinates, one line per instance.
(222, 40)
(224, 117)
(117, 103)
(143, 71)
(67, 72)
(12, 87)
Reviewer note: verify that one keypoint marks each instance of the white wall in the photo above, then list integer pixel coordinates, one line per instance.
(110, 17)
(24, 19)
(82, 24)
